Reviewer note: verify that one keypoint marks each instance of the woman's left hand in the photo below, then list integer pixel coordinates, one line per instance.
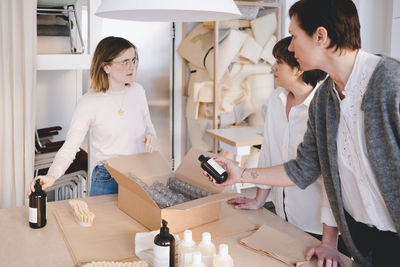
(327, 255)
(150, 143)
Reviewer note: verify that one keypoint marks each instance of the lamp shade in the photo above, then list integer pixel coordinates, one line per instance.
(169, 10)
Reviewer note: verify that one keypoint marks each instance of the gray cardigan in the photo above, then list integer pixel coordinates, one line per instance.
(317, 154)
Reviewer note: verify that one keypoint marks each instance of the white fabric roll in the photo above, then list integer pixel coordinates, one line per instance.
(192, 108)
(251, 50)
(228, 49)
(264, 27)
(197, 75)
(196, 44)
(260, 86)
(266, 53)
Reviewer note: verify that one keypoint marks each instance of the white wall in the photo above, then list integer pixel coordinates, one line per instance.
(286, 4)
(375, 19)
(376, 23)
(57, 94)
(395, 41)
(154, 46)
(153, 42)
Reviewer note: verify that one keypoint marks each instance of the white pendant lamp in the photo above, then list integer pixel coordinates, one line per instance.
(169, 10)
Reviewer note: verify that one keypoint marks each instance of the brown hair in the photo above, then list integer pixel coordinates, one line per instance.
(106, 50)
(281, 52)
(338, 17)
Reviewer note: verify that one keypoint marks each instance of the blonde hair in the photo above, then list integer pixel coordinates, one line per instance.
(107, 49)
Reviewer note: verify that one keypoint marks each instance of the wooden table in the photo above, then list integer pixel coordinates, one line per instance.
(22, 246)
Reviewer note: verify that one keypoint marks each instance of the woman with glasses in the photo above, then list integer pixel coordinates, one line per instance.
(115, 113)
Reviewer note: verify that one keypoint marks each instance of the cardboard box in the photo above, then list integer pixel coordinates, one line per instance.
(151, 167)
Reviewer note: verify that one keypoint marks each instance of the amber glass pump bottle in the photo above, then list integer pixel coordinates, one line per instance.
(164, 248)
(213, 169)
(37, 207)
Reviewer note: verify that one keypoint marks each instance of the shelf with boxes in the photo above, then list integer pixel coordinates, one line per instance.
(61, 29)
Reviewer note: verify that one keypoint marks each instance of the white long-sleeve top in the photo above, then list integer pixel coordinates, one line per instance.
(308, 208)
(111, 134)
(361, 195)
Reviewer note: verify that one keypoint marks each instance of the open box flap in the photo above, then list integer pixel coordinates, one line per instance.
(149, 167)
(203, 201)
(190, 171)
(129, 184)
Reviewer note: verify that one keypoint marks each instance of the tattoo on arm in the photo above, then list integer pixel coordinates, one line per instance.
(254, 175)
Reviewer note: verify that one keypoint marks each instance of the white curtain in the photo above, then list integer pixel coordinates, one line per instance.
(17, 99)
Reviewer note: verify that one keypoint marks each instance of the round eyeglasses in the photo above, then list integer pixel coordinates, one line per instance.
(126, 63)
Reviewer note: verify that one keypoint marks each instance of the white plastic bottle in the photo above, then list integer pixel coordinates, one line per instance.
(222, 259)
(196, 260)
(207, 249)
(185, 249)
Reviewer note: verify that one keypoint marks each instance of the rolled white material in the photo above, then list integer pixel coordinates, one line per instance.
(264, 27)
(266, 53)
(228, 49)
(196, 45)
(260, 87)
(251, 50)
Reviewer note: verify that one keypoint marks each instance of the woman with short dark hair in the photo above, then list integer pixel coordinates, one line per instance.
(353, 134)
(284, 128)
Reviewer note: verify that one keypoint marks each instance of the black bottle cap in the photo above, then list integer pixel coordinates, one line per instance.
(164, 230)
(202, 158)
(38, 186)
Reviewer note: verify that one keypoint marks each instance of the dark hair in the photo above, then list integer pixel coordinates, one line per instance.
(338, 17)
(281, 52)
(106, 50)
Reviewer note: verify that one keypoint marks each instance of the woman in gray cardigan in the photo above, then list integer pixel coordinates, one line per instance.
(353, 134)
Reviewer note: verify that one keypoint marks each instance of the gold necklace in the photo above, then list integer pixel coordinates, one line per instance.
(120, 110)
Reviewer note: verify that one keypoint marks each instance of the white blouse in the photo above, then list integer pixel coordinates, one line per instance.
(308, 208)
(361, 195)
(111, 132)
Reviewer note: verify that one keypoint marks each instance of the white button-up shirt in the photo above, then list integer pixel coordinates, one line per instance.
(307, 208)
(361, 195)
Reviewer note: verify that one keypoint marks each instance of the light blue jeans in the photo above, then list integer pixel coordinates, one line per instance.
(102, 182)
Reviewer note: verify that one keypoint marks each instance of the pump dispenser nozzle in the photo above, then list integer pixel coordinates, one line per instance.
(38, 186)
(164, 230)
(164, 247)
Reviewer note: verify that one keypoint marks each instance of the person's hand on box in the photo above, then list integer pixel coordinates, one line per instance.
(46, 181)
(245, 203)
(231, 167)
(150, 142)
